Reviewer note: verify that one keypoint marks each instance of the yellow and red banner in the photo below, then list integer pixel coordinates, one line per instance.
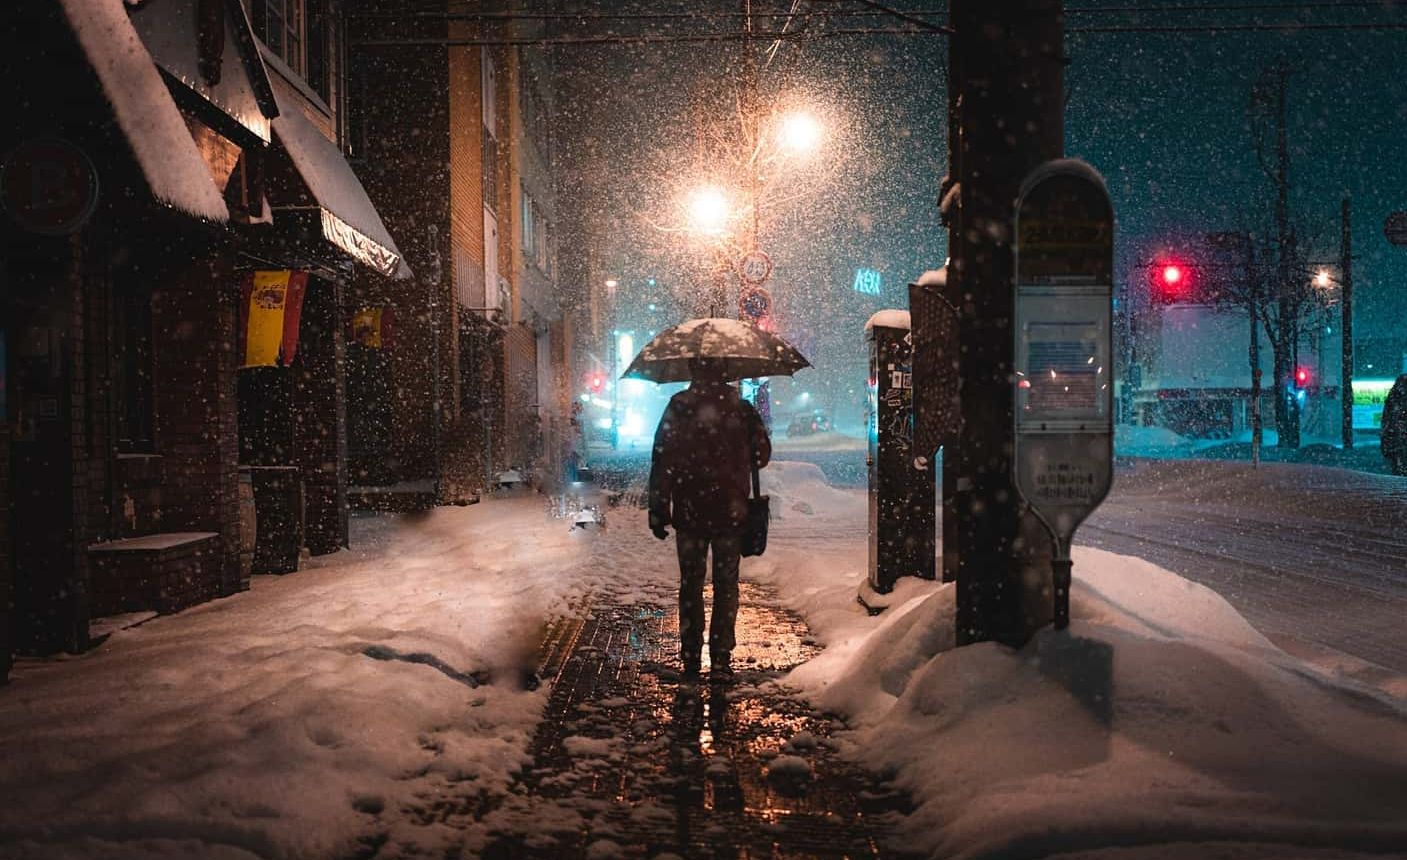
(272, 308)
(371, 327)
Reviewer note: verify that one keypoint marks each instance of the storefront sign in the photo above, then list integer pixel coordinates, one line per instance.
(48, 186)
(867, 282)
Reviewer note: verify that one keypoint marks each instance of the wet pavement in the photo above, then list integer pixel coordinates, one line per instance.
(644, 765)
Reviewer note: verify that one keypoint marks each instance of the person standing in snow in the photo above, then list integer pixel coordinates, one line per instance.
(1394, 439)
(707, 444)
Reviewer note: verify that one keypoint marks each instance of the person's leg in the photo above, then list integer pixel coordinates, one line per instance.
(693, 554)
(727, 553)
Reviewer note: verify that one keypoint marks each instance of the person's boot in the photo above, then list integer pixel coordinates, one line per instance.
(720, 667)
(691, 667)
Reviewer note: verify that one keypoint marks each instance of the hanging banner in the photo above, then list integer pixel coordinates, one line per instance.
(273, 306)
(371, 327)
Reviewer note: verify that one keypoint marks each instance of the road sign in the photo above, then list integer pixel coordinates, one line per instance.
(755, 267)
(1064, 353)
(1395, 228)
(48, 186)
(754, 303)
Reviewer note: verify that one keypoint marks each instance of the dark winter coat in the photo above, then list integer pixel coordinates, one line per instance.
(1395, 427)
(700, 475)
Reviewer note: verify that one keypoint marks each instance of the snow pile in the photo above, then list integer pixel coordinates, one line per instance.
(145, 111)
(1134, 441)
(330, 705)
(800, 489)
(1160, 719)
(831, 440)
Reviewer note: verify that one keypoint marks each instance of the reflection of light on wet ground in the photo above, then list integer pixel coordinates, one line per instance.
(687, 768)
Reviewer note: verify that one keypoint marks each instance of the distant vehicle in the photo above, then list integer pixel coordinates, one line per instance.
(809, 423)
(1394, 439)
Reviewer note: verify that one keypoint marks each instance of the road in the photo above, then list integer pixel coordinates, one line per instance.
(1315, 558)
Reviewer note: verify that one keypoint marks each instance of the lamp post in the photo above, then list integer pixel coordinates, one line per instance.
(1346, 328)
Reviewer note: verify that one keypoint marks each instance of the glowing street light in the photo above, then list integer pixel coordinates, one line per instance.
(708, 210)
(800, 132)
(1322, 279)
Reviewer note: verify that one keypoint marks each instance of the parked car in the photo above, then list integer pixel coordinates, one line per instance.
(808, 423)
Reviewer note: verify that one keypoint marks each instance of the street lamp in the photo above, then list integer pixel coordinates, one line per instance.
(800, 133)
(708, 210)
(1322, 279)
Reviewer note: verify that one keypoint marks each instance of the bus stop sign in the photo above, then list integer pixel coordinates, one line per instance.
(1064, 398)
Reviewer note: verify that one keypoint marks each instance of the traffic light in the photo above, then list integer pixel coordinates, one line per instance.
(1302, 377)
(1172, 281)
(596, 382)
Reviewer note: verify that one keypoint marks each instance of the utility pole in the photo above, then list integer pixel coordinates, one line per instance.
(1253, 310)
(1346, 326)
(1007, 71)
(1287, 412)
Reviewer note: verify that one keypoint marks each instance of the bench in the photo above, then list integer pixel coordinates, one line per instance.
(167, 572)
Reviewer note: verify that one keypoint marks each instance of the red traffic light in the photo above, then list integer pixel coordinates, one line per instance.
(1301, 376)
(1172, 281)
(596, 382)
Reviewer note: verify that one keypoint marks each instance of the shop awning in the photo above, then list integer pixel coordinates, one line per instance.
(144, 109)
(349, 221)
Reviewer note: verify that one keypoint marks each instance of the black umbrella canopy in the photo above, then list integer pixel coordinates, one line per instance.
(741, 350)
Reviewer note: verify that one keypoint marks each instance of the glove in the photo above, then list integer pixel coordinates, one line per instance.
(660, 532)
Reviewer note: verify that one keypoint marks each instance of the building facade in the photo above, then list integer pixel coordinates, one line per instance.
(180, 229)
(469, 383)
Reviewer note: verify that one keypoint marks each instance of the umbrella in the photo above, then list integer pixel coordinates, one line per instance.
(743, 351)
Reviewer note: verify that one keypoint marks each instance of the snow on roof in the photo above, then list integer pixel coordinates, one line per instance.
(174, 169)
(933, 278)
(889, 319)
(349, 220)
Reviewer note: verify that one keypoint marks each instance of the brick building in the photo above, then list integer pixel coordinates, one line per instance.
(159, 156)
(469, 380)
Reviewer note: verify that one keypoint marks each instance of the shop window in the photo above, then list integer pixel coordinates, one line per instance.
(133, 339)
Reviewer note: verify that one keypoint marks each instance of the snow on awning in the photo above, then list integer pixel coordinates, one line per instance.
(349, 220)
(144, 109)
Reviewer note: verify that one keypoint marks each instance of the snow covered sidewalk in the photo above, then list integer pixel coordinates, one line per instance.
(315, 712)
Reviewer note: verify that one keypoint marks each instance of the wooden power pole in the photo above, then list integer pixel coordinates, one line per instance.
(1007, 79)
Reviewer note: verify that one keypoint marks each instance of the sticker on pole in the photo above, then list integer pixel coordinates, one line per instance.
(1064, 346)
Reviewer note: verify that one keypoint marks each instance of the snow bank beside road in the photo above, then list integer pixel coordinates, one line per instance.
(1159, 722)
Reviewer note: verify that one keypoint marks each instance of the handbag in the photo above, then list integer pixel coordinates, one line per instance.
(759, 513)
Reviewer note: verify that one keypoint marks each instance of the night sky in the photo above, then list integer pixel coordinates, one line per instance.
(1162, 115)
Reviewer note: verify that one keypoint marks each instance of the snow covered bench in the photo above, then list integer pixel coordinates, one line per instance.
(167, 571)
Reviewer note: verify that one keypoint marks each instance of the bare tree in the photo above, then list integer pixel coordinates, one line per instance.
(1276, 286)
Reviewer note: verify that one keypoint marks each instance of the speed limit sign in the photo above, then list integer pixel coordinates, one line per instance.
(755, 267)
